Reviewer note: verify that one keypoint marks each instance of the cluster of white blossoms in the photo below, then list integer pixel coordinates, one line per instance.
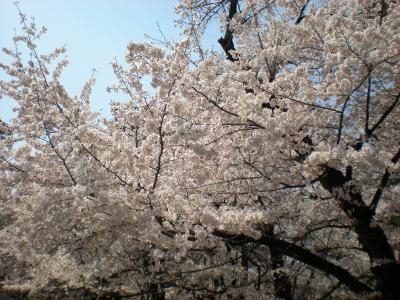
(269, 170)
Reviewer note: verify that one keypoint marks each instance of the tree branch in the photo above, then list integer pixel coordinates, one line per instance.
(161, 141)
(226, 42)
(385, 178)
(302, 255)
(302, 15)
(371, 236)
(384, 116)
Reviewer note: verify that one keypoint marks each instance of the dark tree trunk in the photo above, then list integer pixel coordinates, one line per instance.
(300, 254)
(371, 237)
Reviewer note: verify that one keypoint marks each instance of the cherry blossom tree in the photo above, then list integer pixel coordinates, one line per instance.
(267, 170)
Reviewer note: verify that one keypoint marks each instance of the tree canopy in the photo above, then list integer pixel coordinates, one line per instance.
(267, 170)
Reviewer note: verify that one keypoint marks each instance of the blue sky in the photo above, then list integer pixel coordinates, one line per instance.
(94, 31)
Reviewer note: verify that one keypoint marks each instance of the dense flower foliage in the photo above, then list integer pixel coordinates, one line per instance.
(268, 171)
